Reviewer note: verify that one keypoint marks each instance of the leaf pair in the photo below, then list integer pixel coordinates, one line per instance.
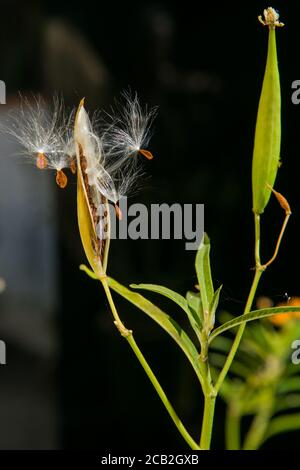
(164, 320)
(200, 308)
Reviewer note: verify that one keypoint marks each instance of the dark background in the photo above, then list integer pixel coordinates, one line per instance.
(202, 65)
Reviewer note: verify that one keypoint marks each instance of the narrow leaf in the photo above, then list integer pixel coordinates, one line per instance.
(287, 402)
(177, 298)
(164, 320)
(255, 315)
(195, 305)
(290, 384)
(283, 424)
(214, 306)
(204, 273)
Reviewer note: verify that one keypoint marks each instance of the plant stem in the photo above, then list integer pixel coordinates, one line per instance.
(256, 433)
(257, 240)
(240, 331)
(129, 337)
(207, 421)
(210, 397)
(258, 272)
(190, 441)
(278, 241)
(232, 429)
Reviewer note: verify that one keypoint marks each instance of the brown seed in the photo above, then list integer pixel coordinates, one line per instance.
(118, 212)
(146, 154)
(61, 179)
(73, 166)
(41, 161)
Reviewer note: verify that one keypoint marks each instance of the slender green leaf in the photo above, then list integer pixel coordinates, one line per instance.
(164, 320)
(287, 402)
(254, 315)
(170, 294)
(214, 306)
(177, 298)
(203, 271)
(195, 305)
(283, 424)
(290, 384)
(292, 369)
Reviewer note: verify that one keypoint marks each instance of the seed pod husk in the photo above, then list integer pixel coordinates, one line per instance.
(266, 154)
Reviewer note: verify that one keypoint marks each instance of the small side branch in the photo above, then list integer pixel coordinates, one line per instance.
(286, 207)
(127, 334)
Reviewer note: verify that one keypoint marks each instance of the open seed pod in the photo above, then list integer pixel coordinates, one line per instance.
(89, 199)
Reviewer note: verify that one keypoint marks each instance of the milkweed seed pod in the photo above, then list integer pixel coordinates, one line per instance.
(104, 156)
(266, 154)
(89, 199)
(107, 170)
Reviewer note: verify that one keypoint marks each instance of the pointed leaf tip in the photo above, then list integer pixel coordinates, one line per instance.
(202, 265)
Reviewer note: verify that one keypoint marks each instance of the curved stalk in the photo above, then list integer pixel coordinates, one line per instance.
(258, 272)
(257, 431)
(127, 334)
(232, 429)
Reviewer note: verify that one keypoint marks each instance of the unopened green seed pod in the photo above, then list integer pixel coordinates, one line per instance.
(266, 152)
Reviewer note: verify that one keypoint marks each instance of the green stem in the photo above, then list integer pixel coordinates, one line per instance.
(190, 441)
(257, 240)
(209, 396)
(240, 332)
(257, 431)
(237, 340)
(207, 422)
(232, 429)
(260, 423)
(129, 337)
